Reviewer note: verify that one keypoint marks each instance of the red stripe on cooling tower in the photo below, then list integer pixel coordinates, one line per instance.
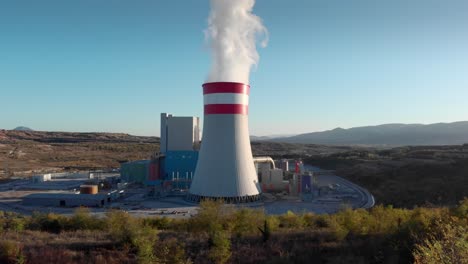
(233, 109)
(225, 87)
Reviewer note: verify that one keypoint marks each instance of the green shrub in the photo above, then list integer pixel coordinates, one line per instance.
(83, 220)
(309, 220)
(211, 215)
(160, 223)
(167, 223)
(12, 221)
(11, 252)
(386, 220)
(2, 220)
(338, 230)
(127, 230)
(144, 241)
(121, 226)
(321, 221)
(447, 244)
(273, 222)
(220, 247)
(16, 224)
(352, 220)
(170, 251)
(461, 210)
(291, 220)
(422, 219)
(245, 221)
(52, 223)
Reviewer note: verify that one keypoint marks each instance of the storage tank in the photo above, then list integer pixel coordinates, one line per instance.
(88, 189)
(284, 165)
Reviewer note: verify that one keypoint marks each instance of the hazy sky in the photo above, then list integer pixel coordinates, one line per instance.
(114, 65)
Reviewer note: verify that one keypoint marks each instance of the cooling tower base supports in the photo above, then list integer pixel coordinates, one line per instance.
(230, 200)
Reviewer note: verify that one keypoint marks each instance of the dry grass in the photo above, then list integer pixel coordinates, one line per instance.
(25, 153)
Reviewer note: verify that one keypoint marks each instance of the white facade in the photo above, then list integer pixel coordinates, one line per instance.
(41, 178)
(284, 165)
(179, 133)
(273, 180)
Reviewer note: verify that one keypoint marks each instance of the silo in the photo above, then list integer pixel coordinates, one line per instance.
(88, 189)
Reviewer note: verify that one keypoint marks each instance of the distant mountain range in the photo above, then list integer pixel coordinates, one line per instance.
(23, 128)
(387, 135)
(270, 137)
(8, 136)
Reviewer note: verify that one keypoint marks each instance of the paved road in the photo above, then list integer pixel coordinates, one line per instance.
(366, 199)
(345, 194)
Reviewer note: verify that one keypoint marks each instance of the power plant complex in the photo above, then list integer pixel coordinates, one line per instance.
(187, 170)
(222, 165)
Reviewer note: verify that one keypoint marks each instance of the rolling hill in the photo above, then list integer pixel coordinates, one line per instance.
(388, 135)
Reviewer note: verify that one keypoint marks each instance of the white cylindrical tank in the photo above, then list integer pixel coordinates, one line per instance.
(225, 168)
(285, 165)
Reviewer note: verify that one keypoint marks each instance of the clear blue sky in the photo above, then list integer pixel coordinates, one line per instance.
(115, 65)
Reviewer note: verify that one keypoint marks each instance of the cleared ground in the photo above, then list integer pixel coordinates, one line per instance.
(136, 201)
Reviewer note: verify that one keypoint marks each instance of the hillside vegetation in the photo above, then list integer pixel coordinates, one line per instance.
(25, 153)
(221, 234)
(406, 176)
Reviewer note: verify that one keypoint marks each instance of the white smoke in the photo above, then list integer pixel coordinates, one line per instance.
(233, 32)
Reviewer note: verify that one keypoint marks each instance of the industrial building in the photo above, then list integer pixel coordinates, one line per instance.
(139, 171)
(41, 178)
(66, 199)
(270, 177)
(179, 133)
(174, 166)
(60, 175)
(224, 168)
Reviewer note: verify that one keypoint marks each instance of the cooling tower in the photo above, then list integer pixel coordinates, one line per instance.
(225, 168)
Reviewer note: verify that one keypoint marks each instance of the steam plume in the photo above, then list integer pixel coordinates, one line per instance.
(233, 32)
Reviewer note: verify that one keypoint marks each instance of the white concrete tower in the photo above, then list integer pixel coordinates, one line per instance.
(225, 168)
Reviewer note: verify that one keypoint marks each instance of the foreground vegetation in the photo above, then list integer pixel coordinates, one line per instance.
(224, 234)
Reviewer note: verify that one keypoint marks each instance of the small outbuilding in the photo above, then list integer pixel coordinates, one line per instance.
(41, 178)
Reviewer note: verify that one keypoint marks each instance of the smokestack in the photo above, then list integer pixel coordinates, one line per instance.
(225, 168)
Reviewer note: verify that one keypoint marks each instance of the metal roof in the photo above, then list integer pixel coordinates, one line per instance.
(66, 196)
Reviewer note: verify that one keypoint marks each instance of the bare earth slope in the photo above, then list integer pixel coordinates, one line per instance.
(29, 152)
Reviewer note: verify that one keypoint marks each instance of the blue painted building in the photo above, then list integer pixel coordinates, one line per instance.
(175, 165)
(179, 167)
